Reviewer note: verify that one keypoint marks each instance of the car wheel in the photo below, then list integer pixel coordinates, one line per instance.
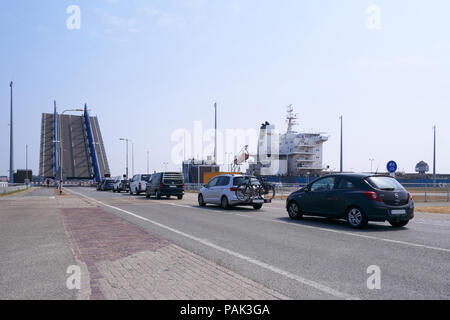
(257, 206)
(224, 203)
(147, 194)
(180, 197)
(158, 195)
(201, 202)
(398, 224)
(356, 218)
(294, 211)
(131, 192)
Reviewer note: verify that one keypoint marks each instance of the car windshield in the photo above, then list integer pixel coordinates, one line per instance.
(385, 183)
(145, 177)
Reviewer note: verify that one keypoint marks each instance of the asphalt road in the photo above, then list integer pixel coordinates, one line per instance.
(313, 258)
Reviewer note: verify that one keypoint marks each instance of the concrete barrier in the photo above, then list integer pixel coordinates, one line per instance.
(9, 189)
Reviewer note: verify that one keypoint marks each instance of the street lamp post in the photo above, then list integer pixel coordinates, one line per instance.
(61, 146)
(132, 154)
(342, 143)
(148, 162)
(434, 157)
(126, 142)
(371, 164)
(26, 163)
(11, 145)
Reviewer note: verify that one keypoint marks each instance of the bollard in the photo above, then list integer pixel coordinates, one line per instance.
(426, 199)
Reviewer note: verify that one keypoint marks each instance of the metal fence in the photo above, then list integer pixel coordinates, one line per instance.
(429, 192)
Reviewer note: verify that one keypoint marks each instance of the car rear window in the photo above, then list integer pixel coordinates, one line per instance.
(240, 180)
(173, 177)
(385, 183)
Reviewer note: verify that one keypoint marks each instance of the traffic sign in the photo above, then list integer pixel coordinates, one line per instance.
(392, 166)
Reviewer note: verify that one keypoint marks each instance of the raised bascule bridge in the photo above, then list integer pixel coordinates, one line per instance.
(79, 140)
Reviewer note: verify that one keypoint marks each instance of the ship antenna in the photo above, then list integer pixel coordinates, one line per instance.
(291, 118)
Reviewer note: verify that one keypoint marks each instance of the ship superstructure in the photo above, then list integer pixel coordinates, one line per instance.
(292, 153)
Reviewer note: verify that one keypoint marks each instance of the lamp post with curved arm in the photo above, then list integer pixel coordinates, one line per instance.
(132, 155)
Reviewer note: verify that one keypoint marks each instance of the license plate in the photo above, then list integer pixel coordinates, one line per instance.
(398, 211)
(173, 186)
(258, 201)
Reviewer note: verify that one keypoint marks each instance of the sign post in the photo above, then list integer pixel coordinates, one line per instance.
(392, 167)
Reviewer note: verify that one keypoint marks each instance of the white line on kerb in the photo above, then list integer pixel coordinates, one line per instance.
(261, 264)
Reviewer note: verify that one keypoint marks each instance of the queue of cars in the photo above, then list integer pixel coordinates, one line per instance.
(162, 184)
(357, 198)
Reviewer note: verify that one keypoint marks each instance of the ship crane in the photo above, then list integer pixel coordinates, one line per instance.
(240, 159)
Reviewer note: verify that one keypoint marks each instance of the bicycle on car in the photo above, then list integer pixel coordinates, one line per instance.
(252, 188)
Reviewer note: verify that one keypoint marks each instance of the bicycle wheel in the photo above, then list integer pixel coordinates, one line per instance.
(242, 192)
(267, 191)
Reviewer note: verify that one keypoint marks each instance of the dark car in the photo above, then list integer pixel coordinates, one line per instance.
(358, 198)
(165, 184)
(107, 185)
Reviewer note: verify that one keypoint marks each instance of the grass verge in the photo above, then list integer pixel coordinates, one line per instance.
(441, 210)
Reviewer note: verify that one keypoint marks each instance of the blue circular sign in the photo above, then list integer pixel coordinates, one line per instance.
(392, 166)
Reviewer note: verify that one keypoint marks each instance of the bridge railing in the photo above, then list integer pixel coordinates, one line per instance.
(12, 187)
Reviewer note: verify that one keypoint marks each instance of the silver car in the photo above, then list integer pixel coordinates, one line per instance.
(221, 190)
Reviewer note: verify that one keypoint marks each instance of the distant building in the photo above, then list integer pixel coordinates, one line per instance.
(194, 170)
(21, 175)
(422, 167)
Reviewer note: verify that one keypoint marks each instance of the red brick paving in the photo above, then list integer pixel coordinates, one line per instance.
(100, 236)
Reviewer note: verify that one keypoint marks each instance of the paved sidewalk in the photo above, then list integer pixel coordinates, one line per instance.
(34, 250)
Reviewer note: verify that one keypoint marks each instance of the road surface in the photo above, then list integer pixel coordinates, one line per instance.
(314, 258)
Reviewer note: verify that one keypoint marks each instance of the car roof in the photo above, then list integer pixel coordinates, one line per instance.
(355, 175)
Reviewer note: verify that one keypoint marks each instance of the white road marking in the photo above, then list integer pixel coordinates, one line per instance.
(261, 264)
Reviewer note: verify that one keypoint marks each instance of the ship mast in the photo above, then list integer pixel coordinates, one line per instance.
(291, 119)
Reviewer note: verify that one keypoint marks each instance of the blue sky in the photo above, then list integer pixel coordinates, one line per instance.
(147, 68)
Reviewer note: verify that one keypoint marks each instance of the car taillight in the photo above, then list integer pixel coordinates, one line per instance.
(410, 196)
(182, 185)
(233, 189)
(374, 196)
(161, 185)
